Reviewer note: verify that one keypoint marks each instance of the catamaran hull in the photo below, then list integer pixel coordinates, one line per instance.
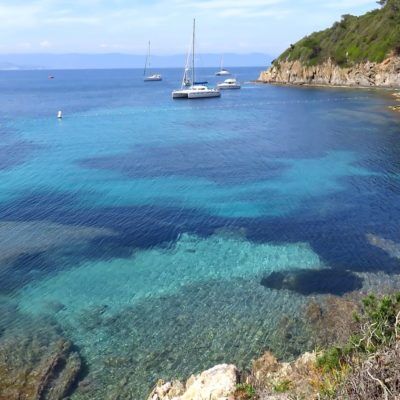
(150, 79)
(179, 94)
(228, 87)
(203, 95)
(189, 94)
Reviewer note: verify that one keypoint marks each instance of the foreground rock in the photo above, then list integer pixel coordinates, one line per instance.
(218, 383)
(369, 74)
(34, 369)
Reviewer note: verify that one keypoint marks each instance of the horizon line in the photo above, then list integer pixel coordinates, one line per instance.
(113, 69)
(129, 54)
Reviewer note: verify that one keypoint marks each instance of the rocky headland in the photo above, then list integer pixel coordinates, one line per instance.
(360, 51)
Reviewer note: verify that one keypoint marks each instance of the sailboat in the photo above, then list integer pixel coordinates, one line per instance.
(222, 71)
(190, 89)
(150, 78)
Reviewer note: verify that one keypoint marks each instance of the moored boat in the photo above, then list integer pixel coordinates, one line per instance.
(147, 65)
(222, 71)
(190, 89)
(228, 84)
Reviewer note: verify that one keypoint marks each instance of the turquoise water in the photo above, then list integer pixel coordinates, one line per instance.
(142, 228)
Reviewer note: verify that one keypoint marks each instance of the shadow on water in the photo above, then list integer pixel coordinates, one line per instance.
(334, 227)
(307, 282)
(17, 153)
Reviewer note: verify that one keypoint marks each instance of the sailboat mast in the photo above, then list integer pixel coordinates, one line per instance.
(149, 62)
(193, 44)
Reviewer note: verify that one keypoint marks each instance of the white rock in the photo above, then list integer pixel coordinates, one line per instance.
(217, 383)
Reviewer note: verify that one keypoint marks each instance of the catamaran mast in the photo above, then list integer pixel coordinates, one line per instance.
(193, 44)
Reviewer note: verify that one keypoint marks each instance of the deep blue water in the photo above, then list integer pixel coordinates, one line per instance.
(160, 221)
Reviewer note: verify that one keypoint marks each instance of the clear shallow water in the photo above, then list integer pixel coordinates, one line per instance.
(142, 227)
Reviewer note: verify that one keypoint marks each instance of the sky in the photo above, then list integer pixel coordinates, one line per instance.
(125, 26)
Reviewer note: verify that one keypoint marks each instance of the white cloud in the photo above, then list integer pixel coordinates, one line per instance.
(45, 44)
(21, 16)
(227, 4)
(126, 25)
(350, 4)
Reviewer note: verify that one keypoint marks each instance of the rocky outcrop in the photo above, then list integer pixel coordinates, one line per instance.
(369, 74)
(218, 383)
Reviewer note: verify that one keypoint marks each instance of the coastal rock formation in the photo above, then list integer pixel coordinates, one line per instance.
(369, 74)
(298, 377)
(217, 383)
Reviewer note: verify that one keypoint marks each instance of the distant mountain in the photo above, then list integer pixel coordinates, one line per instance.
(98, 61)
(8, 66)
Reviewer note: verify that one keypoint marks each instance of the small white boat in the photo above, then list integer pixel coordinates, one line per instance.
(189, 88)
(155, 77)
(150, 78)
(229, 84)
(222, 71)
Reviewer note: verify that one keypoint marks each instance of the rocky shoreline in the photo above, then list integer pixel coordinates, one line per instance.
(226, 382)
(355, 362)
(369, 74)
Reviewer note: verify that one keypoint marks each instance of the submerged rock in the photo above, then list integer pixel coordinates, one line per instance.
(217, 383)
(306, 282)
(395, 108)
(32, 369)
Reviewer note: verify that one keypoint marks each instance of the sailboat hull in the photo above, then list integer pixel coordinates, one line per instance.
(222, 73)
(155, 78)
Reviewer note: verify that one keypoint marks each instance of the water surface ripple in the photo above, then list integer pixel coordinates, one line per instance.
(156, 234)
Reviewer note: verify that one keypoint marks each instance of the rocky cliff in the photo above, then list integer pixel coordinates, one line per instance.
(368, 74)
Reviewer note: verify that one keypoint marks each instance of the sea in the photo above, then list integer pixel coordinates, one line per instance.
(162, 237)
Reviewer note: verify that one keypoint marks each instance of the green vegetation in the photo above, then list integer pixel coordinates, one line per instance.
(375, 343)
(370, 37)
(282, 387)
(245, 391)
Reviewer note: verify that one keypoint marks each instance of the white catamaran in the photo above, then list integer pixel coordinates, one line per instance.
(190, 89)
(147, 65)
